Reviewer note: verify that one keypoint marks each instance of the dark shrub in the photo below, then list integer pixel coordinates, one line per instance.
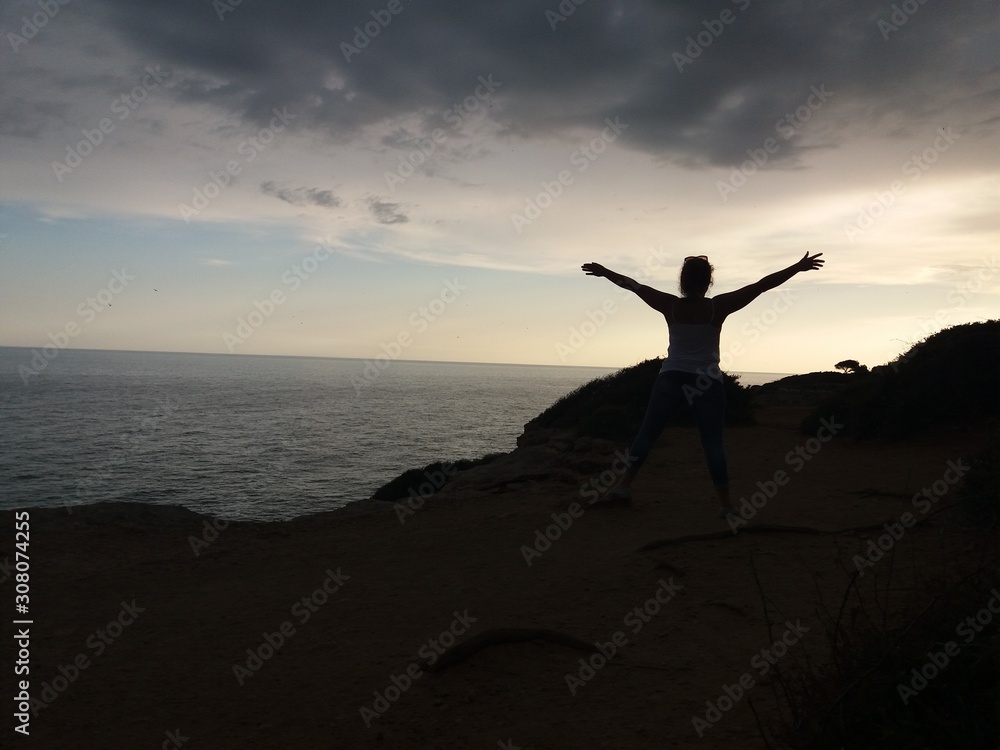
(979, 493)
(613, 406)
(433, 477)
(866, 699)
(950, 378)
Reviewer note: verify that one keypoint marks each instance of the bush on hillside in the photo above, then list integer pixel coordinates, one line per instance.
(950, 378)
(428, 480)
(612, 406)
(979, 492)
(874, 695)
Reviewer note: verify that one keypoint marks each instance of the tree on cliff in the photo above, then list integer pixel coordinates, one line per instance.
(851, 365)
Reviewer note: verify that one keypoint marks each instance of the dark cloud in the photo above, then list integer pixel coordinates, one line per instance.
(605, 60)
(301, 196)
(28, 119)
(387, 213)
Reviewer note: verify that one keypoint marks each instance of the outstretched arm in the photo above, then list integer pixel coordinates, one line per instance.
(733, 301)
(656, 299)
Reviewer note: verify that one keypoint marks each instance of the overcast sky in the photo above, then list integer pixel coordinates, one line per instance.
(423, 180)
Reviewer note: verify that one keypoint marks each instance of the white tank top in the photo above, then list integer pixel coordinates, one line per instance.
(693, 347)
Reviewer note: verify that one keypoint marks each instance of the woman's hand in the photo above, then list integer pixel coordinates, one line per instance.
(810, 263)
(594, 269)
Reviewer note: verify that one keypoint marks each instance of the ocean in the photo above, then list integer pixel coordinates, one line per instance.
(251, 437)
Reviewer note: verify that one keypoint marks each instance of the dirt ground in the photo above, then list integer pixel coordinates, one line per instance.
(240, 645)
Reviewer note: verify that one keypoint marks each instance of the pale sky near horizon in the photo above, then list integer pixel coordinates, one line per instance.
(374, 169)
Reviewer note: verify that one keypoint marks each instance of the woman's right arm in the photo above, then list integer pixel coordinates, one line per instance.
(660, 301)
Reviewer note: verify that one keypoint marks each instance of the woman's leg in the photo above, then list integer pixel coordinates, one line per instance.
(709, 407)
(664, 398)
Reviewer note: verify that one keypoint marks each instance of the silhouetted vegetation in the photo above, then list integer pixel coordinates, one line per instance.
(801, 390)
(428, 480)
(950, 378)
(612, 406)
(929, 681)
(852, 365)
(979, 493)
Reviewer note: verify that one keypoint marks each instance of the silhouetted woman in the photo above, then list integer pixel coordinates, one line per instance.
(691, 370)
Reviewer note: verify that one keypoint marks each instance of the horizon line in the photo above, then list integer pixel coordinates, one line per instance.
(363, 359)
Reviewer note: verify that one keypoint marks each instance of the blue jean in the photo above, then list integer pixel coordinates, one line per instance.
(707, 397)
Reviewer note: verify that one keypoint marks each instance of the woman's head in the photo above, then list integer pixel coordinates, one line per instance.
(696, 276)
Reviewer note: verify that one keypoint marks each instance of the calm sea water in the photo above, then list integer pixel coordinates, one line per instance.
(251, 438)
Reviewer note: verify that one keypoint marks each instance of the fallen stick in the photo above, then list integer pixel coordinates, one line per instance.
(774, 529)
(760, 529)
